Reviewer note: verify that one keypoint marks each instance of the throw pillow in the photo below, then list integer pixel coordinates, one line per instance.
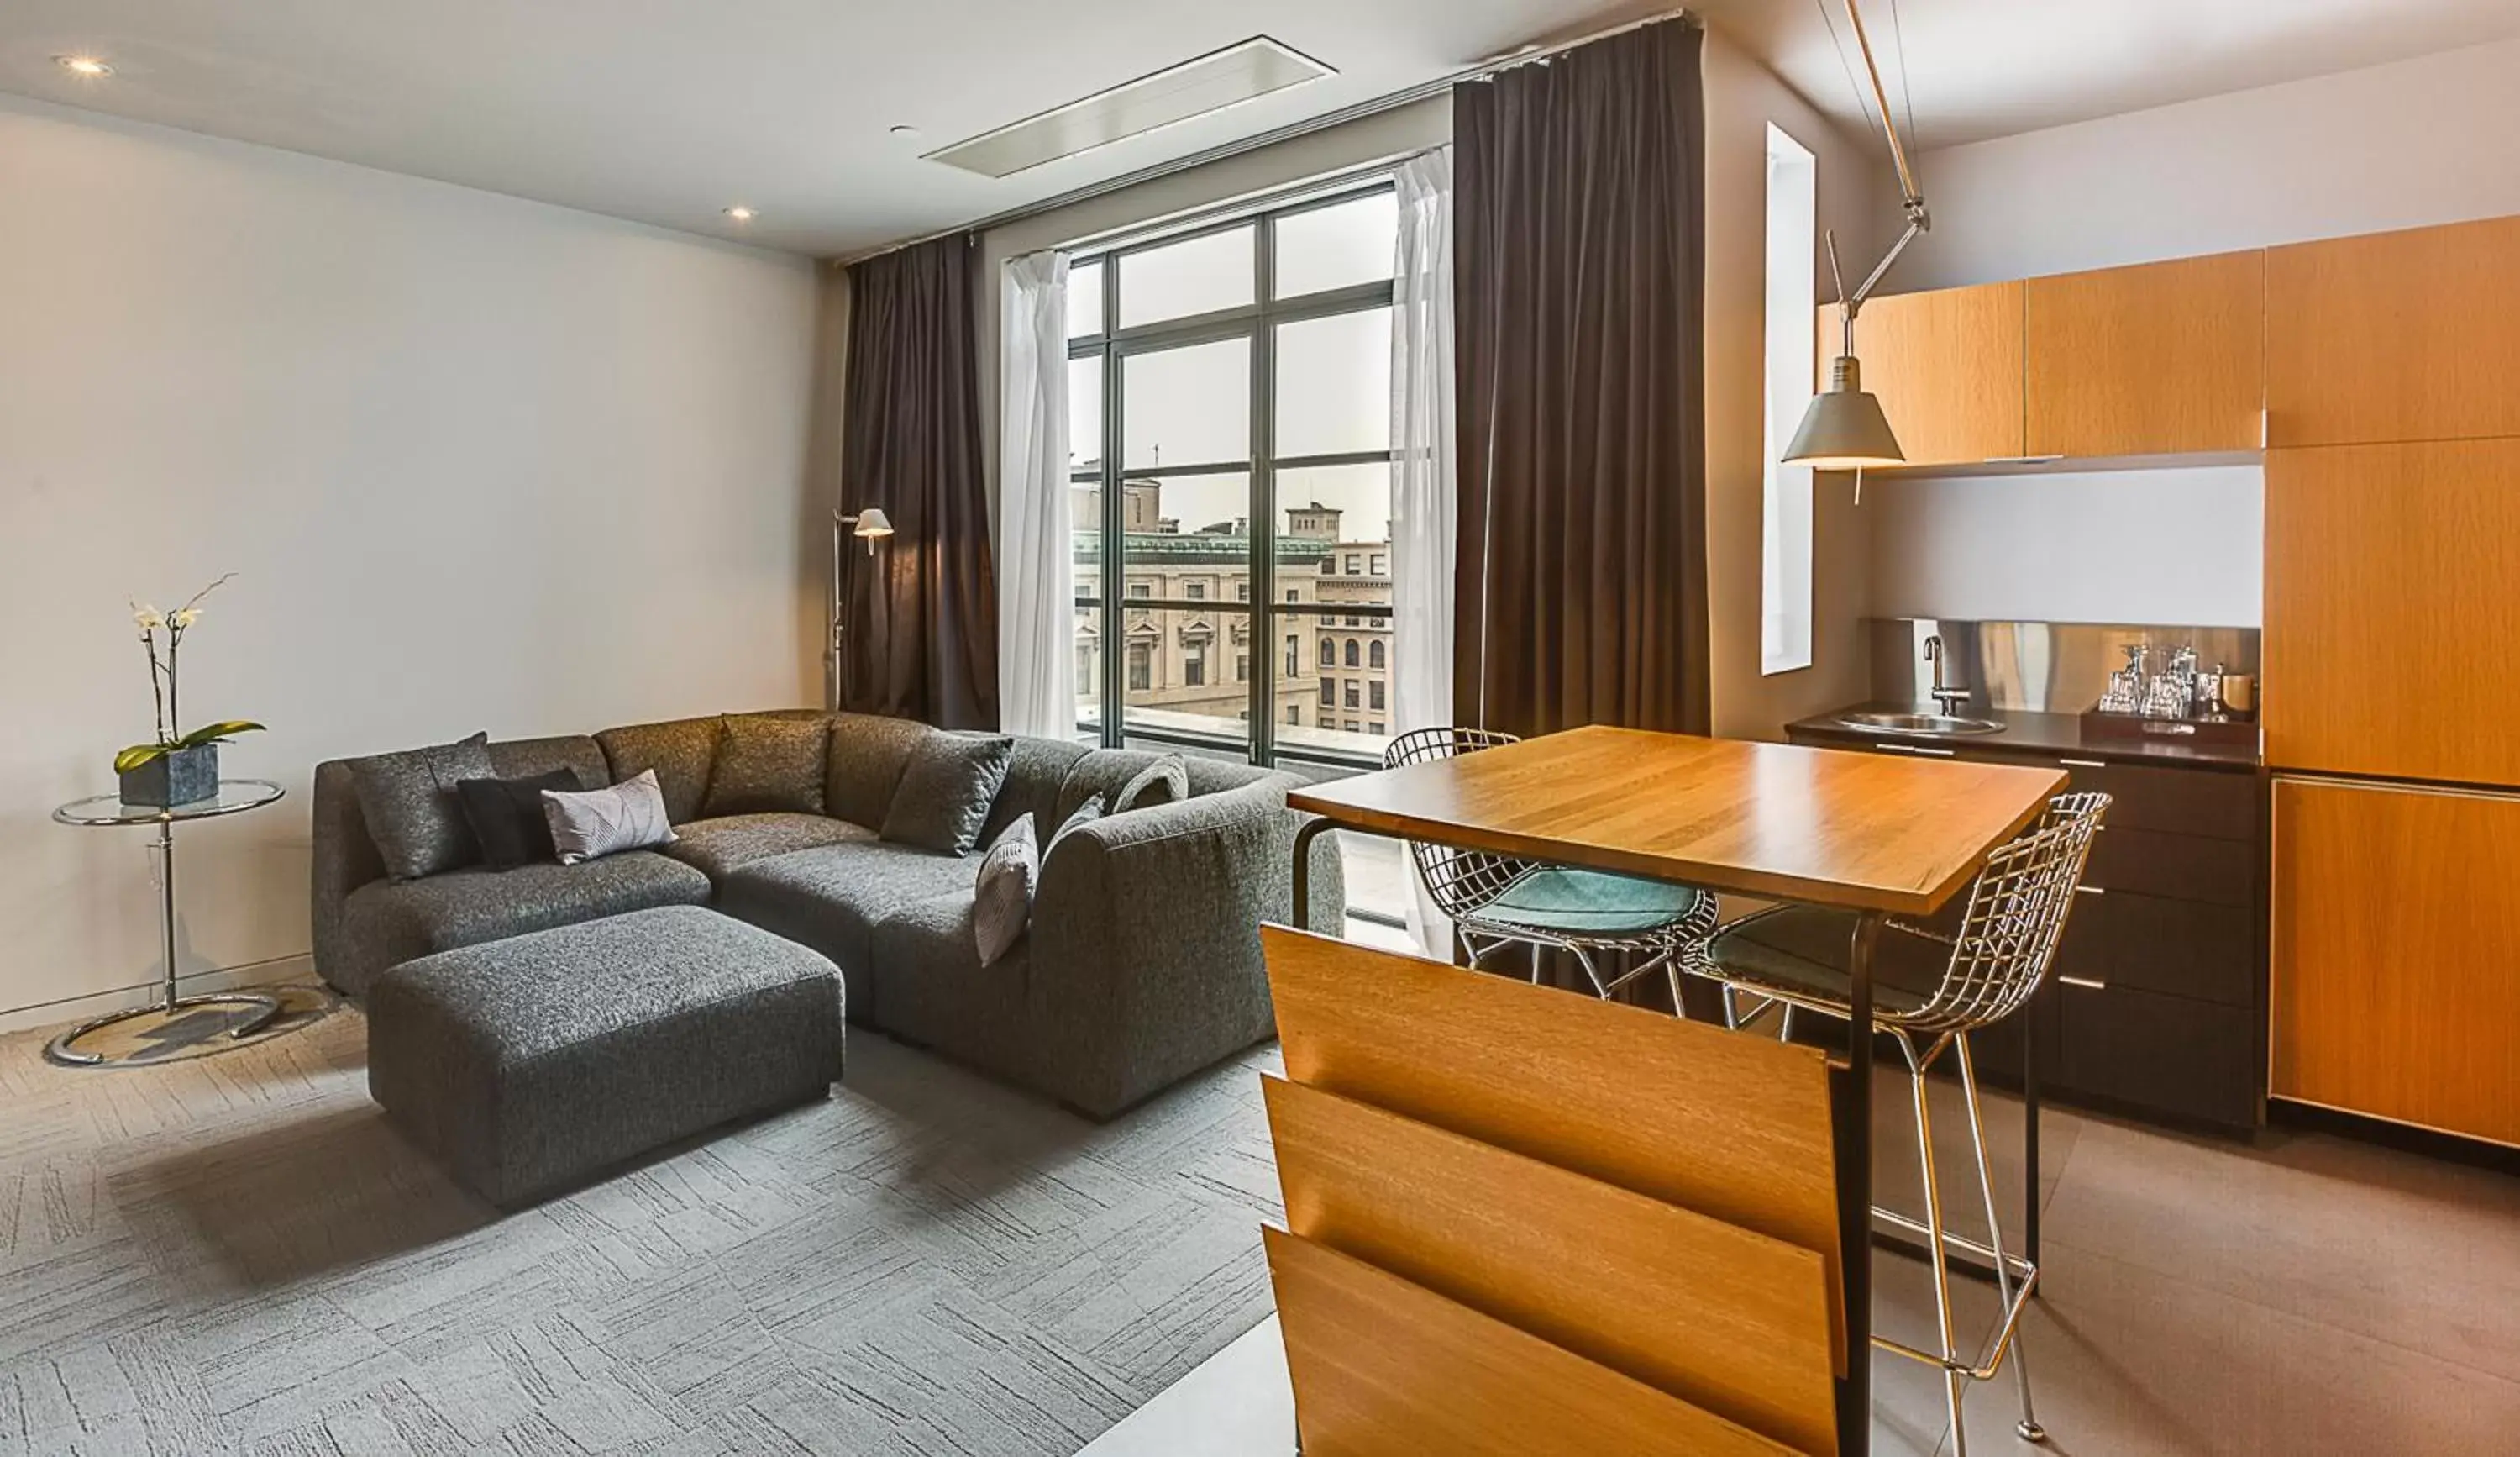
(768, 765)
(408, 801)
(505, 815)
(946, 791)
(1166, 781)
(628, 817)
(1002, 903)
(1084, 814)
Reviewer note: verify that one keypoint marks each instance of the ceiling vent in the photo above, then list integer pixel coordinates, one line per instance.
(1219, 79)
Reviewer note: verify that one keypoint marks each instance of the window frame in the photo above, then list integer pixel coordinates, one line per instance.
(1256, 323)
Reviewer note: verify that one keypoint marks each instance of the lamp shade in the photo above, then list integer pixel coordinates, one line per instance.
(1844, 429)
(873, 523)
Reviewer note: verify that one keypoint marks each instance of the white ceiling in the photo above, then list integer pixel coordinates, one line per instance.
(669, 111)
(1980, 68)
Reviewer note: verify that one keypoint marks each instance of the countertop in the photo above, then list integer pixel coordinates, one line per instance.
(2038, 733)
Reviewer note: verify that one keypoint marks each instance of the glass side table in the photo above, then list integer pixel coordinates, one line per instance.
(253, 1010)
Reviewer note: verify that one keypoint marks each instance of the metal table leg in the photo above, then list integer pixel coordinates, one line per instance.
(1855, 1195)
(2030, 1134)
(1310, 831)
(261, 1009)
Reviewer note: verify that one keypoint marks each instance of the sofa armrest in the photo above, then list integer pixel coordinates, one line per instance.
(1145, 960)
(345, 859)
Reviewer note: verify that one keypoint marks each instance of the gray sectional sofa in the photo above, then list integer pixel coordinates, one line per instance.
(1142, 964)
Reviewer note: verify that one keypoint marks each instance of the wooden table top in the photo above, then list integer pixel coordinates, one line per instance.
(1826, 826)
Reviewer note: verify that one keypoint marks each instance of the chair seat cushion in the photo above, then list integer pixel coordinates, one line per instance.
(1804, 949)
(1587, 902)
(720, 846)
(389, 922)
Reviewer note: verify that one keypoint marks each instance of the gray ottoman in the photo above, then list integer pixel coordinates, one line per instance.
(527, 1063)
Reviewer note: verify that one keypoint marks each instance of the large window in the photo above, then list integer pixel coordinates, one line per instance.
(1230, 395)
(1786, 529)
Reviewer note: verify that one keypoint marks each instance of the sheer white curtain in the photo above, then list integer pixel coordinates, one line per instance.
(1036, 545)
(1423, 505)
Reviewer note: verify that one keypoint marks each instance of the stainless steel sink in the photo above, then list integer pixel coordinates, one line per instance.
(1922, 725)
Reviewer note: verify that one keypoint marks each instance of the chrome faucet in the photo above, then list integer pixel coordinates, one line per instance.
(1949, 698)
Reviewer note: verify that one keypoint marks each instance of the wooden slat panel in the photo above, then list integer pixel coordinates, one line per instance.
(1819, 826)
(2156, 359)
(1383, 1367)
(1734, 1127)
(1729, 1321)
(1947, 366)
(2408, 335)
(2395, 989)
(2392, 609)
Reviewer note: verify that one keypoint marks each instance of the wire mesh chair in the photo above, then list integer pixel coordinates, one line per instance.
(1795, 957)
(1495, 901)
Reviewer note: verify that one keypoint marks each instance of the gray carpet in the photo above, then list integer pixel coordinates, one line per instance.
(238, 1255)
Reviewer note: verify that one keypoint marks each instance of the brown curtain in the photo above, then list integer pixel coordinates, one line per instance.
(922, 611)
(1578, 319)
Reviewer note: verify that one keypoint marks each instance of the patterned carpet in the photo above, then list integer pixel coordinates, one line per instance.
(237, 1253)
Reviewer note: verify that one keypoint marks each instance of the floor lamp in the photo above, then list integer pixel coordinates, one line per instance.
(869, 525)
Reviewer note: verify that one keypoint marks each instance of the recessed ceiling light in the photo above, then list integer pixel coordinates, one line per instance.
(905, 130)
(740, 214)
(83, 66)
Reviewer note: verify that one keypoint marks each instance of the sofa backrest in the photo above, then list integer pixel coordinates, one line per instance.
(863, 765)
(1035, 772)
(1107, 771)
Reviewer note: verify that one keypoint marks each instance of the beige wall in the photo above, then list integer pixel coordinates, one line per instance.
(477, 464)
(2422, 141)
(1743, 97)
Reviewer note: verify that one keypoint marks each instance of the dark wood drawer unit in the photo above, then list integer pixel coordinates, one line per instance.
(2174, 1054)
(2155, 1003)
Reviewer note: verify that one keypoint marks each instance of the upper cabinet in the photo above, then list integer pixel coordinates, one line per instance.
(2395, 336)
(2158, 360)
(1947, 366)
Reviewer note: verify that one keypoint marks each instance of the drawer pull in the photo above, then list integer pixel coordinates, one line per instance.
(2089, 891)
(1917, 749)
(2086, 982)
(2082, 763)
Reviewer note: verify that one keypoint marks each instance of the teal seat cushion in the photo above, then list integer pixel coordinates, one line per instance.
(1804, 948)
(1587, 902)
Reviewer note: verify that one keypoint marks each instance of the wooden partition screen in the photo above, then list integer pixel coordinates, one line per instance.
(1522, 1221)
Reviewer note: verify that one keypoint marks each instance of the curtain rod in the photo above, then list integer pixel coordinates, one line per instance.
(1525, 55)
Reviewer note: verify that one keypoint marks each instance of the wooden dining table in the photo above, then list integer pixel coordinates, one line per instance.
(1875, 834)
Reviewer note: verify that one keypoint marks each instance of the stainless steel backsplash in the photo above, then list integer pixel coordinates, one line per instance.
(2053, 667)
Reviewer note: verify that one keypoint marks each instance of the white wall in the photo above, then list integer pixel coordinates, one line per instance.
(2418, 142)
(2168, 545)
(477, 464)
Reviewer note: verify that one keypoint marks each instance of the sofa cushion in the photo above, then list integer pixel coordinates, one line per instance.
(578, 754)
(719, 847)
(681, 752)
(1107, 772)
(936, 993)
(408, 799)
(945, 794)
(831, 899)
(385, 922)
(767, 765)
(868, 754)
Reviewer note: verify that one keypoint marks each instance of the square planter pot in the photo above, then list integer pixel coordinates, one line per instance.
(178, 778)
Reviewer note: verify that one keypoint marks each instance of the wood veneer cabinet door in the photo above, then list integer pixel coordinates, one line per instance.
(2158, 360)
(2409, 335)
(2392, 606)
(1947, 365)
(2396, 980)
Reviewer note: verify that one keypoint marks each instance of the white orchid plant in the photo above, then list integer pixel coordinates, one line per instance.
(171, 737)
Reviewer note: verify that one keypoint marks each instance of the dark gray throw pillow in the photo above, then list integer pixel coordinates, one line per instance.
(1166, 781)
(506, 816)
(1082, 816)
(409, 803)
(768, 765)
(946, 791)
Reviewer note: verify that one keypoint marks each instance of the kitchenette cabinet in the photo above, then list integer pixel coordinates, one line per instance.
(2157, 359)
(2405, 336)
(2395, 969)
(1947, 366)
(2155, 1000)
(2393, 605)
